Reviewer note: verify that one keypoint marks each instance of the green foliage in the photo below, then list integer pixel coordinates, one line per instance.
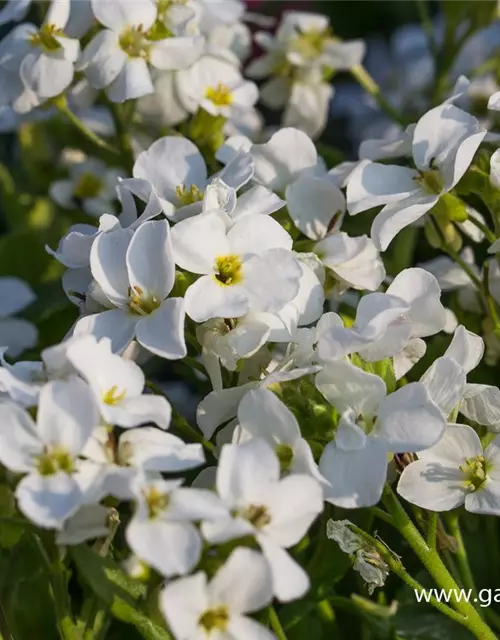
(25, 597)
(124, 596)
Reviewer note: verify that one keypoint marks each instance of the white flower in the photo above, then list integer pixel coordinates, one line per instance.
(494, 102)
(38, 64)
(261, 414)
(47, 451)
(14, 10)
(229, 342)
(355, 262)
(221, 405)
(178, 173)
(372, 424)
(386, 322)
(445, 140)
(197, 610)
(495, 169)
(81, 18)
(288, 164)
(91, 186)
(289, 155)
(118, 385)
(162, 532)
(118, 57)
(114, 464)
(16, 334)
(307, 107)
(74, 247)
(446, 382)
(135, 271)
(453, 472)
(235, 265)
(300, 57)
(397, 144)
(255, 200)
(315, 204)
(217, 86)
(89, 522)
(24, 380)
(277, 512)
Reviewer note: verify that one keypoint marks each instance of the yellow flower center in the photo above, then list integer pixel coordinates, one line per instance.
(188, 195)
(430, 181)
(475, 471)
(45, 38)
(156, 502)
(228, 269)
(54, 459)
(310, 44)
(88, 185)
(256, 514)
(141, 305)
(133, 42)
(214, 619)
(112, 397)
(285, 456)
(220, 95)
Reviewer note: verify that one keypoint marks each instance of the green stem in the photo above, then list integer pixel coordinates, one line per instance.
(461, 263)
(180, 421)
(468, 615)
(466, 577)
(382, 515)
(5, 633)
(425, 19)
(488, 233)
(95, 614)
(123, 122)
(61, 104)
(276, 624)
(482, 287)
(492, 308)
(360, 74)
(396, 566)
(59, 590)
(432, 530)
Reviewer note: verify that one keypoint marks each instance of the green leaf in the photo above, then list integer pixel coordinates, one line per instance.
(23, 255)
(421, 622)
(123, 595)
(10, 533)
(27, 604)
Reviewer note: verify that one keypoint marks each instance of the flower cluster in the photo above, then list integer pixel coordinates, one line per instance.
(330, 368)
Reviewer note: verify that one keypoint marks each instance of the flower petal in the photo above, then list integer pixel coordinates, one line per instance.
(67, 414)
(408, 420)
(162, 332)
(48, 500)
(432, 485)
(242, 596)
(150, 262)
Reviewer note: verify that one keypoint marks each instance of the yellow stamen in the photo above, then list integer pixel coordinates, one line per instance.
(133, 42)
(188, 195)
(140, 304)
(220, 95)
(45, 38)
(112, 397)
(54, 459)
(228, 269)
(214, 619)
